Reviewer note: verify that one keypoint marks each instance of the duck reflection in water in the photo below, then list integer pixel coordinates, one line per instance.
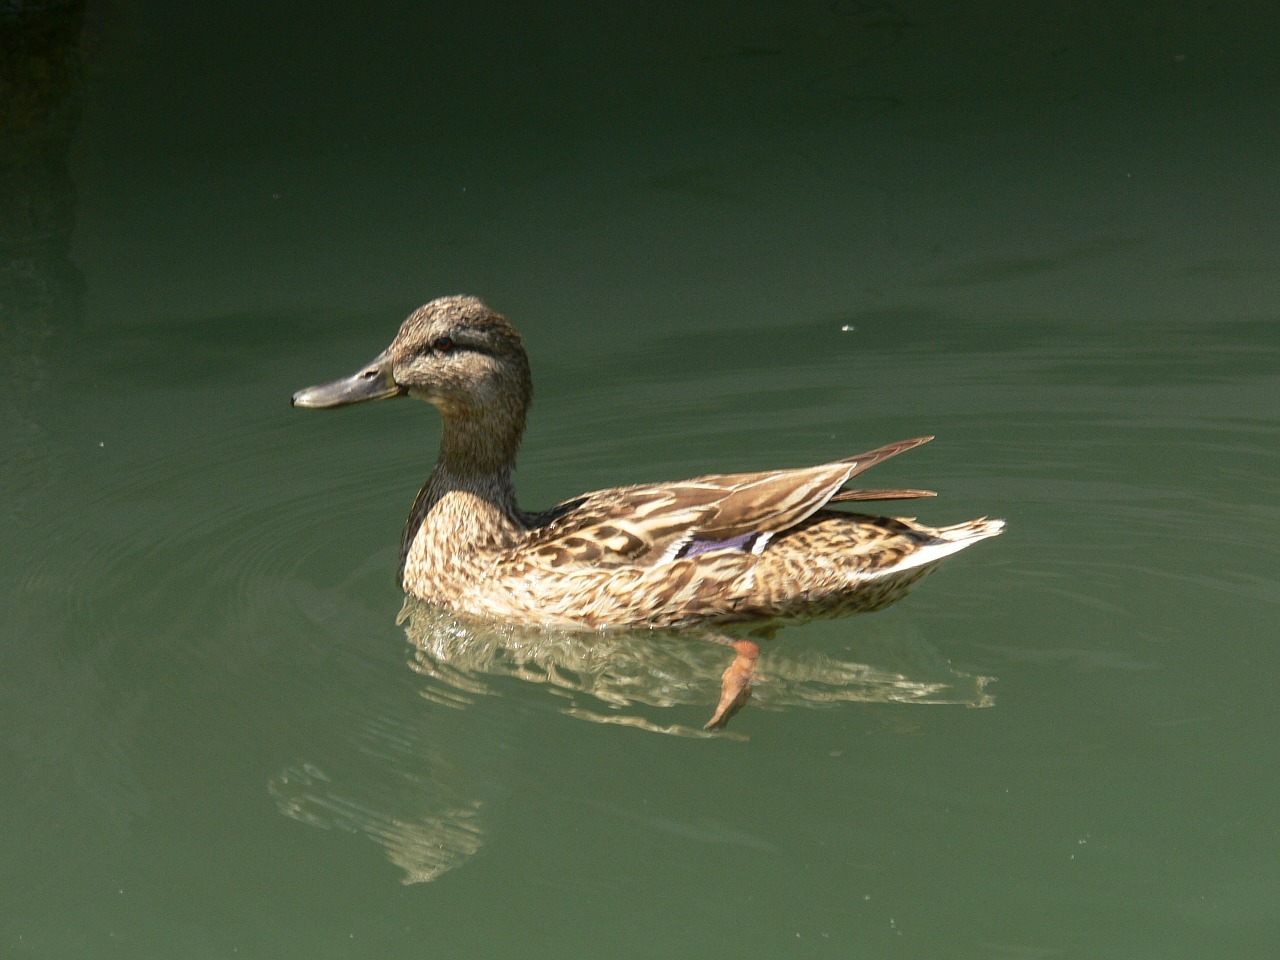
(618, 677)
(429, 785)
(725, 558)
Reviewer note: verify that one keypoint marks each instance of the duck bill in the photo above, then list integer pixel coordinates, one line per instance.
(374, 382)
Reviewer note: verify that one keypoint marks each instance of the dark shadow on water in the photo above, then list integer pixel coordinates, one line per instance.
(41, 290)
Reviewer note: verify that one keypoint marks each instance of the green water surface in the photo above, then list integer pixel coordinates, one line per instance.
(735, 236)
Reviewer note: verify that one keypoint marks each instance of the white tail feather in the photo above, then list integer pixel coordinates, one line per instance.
(950, 540)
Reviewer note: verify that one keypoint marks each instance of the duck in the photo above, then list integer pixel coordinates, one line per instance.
(726, 557)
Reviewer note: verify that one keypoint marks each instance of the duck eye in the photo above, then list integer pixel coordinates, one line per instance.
(442, 344)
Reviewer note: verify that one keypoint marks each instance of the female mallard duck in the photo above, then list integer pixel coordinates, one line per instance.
(701, 553)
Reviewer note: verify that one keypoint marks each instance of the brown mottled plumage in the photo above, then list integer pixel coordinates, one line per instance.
(715, 550)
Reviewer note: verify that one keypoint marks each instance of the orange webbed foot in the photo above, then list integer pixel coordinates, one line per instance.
(735, 687)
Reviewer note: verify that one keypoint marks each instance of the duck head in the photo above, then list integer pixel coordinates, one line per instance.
(453, 352)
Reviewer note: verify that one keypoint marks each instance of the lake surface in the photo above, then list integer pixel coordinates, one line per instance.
(735, 237)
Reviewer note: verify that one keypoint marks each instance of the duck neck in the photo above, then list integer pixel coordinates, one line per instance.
(472, 484)
(479, 455)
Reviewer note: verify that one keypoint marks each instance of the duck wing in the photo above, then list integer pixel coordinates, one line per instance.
(656, 523)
